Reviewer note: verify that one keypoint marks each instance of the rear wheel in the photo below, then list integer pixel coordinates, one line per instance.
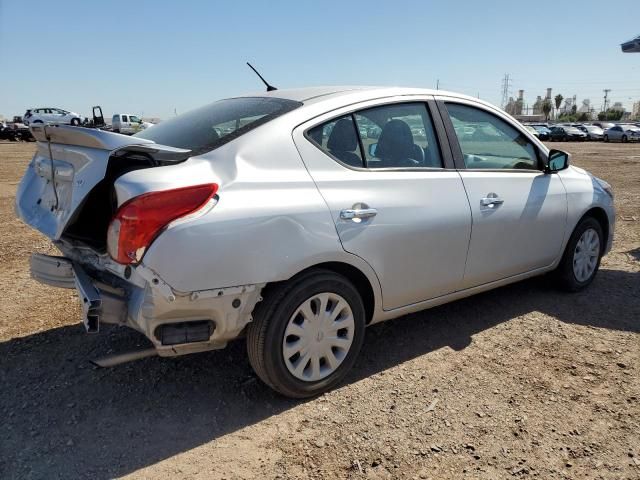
(581, 259)
(606, 138)
(306, 333)
(116, 130)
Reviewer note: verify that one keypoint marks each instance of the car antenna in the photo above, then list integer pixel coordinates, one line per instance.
(270, 88)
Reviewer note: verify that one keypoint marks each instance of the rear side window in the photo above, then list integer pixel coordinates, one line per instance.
(389, 136)
(125, 118)
(339, 139)
(489, 142)
(210, 127)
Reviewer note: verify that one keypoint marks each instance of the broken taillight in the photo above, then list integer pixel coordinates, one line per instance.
(139, 220)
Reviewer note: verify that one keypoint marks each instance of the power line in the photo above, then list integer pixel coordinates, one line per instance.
(606, 95)
(506, 84)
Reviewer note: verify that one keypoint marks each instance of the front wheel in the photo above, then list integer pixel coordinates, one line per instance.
(624, 139)
(581, 259)
(306, 333)
(75, 122)
(606, 138)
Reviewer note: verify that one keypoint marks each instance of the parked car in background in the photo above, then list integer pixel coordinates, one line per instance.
(543, 131)
(566, 133)
(593, 131)
(622, 133)
(604, 125)
(15, 132)
(52, 115)
(297, 239)
(128, 124)
(7, 133)
(533, 131)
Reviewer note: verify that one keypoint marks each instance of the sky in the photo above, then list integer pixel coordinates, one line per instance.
(158, 58)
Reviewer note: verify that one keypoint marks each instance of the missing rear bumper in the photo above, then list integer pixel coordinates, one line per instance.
(100, 303)
(176, 323)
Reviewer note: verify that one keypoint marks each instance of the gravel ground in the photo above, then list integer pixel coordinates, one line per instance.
(520, 382)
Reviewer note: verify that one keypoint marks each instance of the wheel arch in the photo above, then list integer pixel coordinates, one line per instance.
(360, 281)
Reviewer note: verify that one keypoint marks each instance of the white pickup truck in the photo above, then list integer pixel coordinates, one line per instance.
(128, 124)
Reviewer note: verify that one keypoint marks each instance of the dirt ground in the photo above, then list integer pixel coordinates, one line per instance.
(520, 382)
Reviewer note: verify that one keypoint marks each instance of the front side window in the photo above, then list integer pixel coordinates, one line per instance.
(210, 127)
(488, 142)
(134, 119)
(389, 136)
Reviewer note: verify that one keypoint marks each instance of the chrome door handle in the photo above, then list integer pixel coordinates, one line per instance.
(349, 214)
(491, 201)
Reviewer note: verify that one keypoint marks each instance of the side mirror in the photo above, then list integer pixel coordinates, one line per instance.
(372, 149)
(558, 160)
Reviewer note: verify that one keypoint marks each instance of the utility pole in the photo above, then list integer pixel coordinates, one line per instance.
(438, 84)
(506, 84)
(606, 94)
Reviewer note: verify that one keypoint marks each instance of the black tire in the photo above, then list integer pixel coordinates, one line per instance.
(624, 139)
(605, 138)
(116, 130)
(564, 274)
(75, 122)
(265, 333)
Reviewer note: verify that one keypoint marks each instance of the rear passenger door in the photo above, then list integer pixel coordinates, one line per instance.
(395, 198)
(519, 212)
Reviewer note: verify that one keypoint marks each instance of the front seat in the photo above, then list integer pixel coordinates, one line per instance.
(396, 148)
(343, 142)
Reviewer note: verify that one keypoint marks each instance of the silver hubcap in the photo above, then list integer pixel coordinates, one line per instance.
(585, 256)
(318, 337)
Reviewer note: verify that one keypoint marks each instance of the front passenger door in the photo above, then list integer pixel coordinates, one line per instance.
(518, 211)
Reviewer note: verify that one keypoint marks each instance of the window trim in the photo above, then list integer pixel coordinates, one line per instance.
(457, 149)
(438, 126)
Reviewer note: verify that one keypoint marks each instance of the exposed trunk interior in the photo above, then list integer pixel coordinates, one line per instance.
(90, 222)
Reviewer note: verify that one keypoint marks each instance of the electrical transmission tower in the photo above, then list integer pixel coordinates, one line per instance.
(606, 99)
(506, 87)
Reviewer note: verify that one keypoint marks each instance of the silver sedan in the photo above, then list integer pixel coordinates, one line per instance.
(274, 217)
(622, 133)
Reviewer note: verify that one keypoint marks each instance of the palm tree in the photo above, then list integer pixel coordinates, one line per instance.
(558, 98)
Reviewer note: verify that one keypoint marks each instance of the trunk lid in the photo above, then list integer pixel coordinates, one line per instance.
(68, 164)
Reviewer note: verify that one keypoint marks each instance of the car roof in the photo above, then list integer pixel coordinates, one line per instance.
(310, 95)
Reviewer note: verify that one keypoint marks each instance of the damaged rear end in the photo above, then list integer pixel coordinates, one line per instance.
(84, 189)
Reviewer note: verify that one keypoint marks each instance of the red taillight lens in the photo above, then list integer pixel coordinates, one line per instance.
(139, 220)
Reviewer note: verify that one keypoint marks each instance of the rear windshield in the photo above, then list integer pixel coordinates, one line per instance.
(209, 127)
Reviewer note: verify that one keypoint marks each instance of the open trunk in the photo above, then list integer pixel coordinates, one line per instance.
(68, 191)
